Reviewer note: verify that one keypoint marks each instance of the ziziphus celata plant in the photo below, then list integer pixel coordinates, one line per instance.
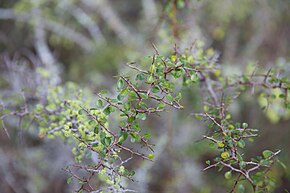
(103, 129)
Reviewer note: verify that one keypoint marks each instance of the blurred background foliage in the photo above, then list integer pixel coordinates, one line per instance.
(89, 41)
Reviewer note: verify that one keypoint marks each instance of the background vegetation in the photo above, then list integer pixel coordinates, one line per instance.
(49, 43)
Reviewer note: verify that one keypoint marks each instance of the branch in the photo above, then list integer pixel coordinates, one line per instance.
(136, 68)
(85, 20)
(50, 25)
(113, 20)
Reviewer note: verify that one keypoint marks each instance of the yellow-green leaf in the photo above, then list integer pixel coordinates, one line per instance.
(220, 144)
(225, 155)
(150, 156)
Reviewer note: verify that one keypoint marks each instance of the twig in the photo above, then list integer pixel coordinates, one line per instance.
(133, 152)
(136, 68)
(236, 183)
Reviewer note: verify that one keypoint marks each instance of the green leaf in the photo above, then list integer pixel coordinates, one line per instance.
(143, 95)
(120, 97)
(120, 84)
(264, 162)
(232, 162)
(150, 156)
(211, 144)
(225, 155)
(135, 138)
(173, 58)
(140, 77)
(123, 137)
(176, 73)
(220, 144)
(220, 168)
(99, 103)
(194, 77)
(142, 104)
(69, 180)
(127, 106)
(155, 89)
(206, 108)
(141, 116)
(122, 123)
(114, 100)
(152, 68)
(130, 119)
(161, 105)
(147, 135)
(267, 153)
(107, 111)
(199, 117)
(241, 143)
(102, 153)
(102, 135)
(241, 188)
(135, 126)
(231, 127)
(103, 141)
(228, 175)
(96, 130)
(133, 95)
(124, 91)
(81, 112)
(132, 173)
(228, 116)
(282, 96)
(150, 79)
(103, 92)
(108, 141)
(207, 162)
(237, 125)
(81, 182)
(242, 164)
(240, 158)
(169, 98)
(245, 125)
(178, 97)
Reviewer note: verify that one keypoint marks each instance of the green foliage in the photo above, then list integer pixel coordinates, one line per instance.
(108, 130)
(151, 92)
(105, 126)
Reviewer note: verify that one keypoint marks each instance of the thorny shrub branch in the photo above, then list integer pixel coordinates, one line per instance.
(102, 129)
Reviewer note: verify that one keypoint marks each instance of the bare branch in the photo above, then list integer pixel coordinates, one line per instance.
(50, 25)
